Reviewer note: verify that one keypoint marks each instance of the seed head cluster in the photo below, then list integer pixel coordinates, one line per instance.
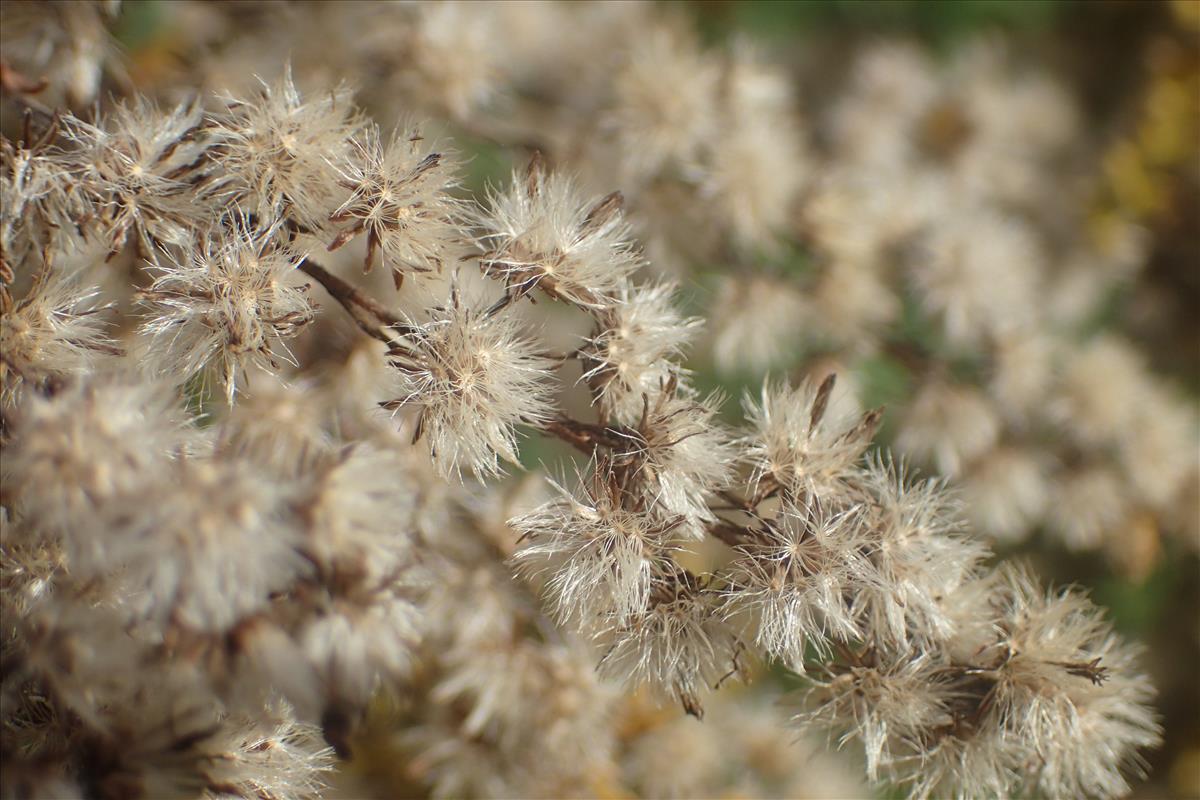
(257, 526)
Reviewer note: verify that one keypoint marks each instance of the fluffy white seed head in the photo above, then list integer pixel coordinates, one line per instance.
(680, 452)
(37, 203)
(1005, 494)
(91, 444)
(921, 554)
(890, 708)
(851, 302)
(1152, 449)
(130, 170)
(794, 575)
(795, 443)
(1022, 373)
(678, 647)
(279, 429)
(1100, 390)
(69, 47)
(1088, 505)
(225, 307)
(596, 557)
(756, 322)
(471, 377)
(56, 330)
(663, 109)
(362, 641)
(513, 688)
(980, 276)
(634, 349)
(185, 560)
(543, 234)
(1069, 688)
(1032, 694)
(758, 163)
(400, 200)
(275, 151)
(451, 64)
(275, 759)
(948, 426)
(359, 514)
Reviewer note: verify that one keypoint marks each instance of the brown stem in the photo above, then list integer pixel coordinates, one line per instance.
(736, 503)
(583, 436)
(732, 535)
(370, 315)
(20, 88)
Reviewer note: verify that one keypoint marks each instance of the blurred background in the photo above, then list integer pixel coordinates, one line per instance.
(986, 218)
(1134, 69)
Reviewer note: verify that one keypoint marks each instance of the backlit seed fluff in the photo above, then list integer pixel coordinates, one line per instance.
(920, 551)
(1068, 688)
(131, 170)
(681, 453)
(205, 577)
(794, 575)
(1088, 506)
(400, 200)
(541, 233)
(980, 276)
(36, 203)
(758, 164)
(274, 151)
(663, 108)
(471, 378)
(888, 707)
(1099, 391)
(93, 443)
(795, 444)
(360, 641)
(450, 61)
(678, 648)
(224, 307)
(635, 349)
(54, 331)
(171, 566)
(280, 760)
(1149, 449)
(1033, 693)
(1005, 493)
(755, 323)
(594, 557)
(949, 426)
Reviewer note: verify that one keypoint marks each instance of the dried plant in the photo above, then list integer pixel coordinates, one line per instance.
(255, 518)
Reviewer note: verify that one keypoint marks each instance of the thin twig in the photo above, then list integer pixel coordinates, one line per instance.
(730, 534)
(583, 436)
(370, 315)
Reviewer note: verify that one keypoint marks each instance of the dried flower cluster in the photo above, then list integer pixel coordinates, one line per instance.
(253, 521)
(943, 220)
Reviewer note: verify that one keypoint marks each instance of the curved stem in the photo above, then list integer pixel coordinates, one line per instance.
(369, 314)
